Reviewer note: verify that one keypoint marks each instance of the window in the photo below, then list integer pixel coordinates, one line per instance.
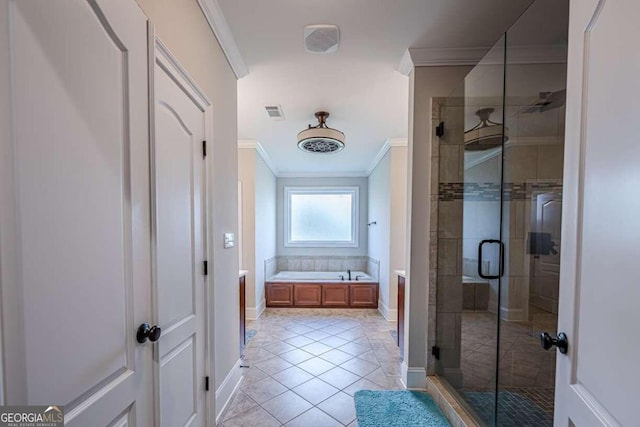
(321, 216)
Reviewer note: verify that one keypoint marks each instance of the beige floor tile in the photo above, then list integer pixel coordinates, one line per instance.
(336, 356)
(316, 366)
(354, 349)
(339, 378)
(362, 384)
(340, 406)
(296, 356)
(241, 403)
(316, 335)
(359, 366)
(265, 389)
(315, 391)
(316, 348)
(299, 341)
(286, 406)
(314, 417)
(254, 417)
(279, 347)
(333, 341)
(292, 377)
(273, 365)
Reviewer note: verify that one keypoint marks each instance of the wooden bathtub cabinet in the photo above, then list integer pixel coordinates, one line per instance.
(326, 295)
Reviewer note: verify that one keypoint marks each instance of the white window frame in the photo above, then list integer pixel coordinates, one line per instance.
(355, 216)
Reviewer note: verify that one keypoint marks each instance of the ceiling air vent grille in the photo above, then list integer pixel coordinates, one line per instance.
(274, 112)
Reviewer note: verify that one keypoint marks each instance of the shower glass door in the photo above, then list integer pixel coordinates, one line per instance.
(531, 212)
(469, 252)
(499, 203)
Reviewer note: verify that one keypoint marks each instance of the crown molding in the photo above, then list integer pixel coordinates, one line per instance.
(533, 54)
(254, 144)
(378, 158)
(398, 142)
(213, 13)
(406, 63)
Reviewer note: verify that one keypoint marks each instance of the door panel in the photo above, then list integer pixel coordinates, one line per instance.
(599, 269)
(179, 251)
(81, 162)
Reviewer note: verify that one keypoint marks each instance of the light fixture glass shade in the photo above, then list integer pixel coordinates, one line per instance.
(486, 134)
(321, 139)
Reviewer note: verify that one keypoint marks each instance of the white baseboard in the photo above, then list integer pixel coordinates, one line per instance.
(255, 313)
(227, 389)
(391, 314)
(413, 377)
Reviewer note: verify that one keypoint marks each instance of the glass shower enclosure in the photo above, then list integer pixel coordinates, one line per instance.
(500, 161)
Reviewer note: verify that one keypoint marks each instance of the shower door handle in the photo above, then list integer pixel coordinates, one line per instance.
(500, 258)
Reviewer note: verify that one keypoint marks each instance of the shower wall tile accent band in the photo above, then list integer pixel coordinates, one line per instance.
(489, 192)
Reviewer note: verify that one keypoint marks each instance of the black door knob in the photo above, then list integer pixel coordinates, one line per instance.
(561, 342)
(152, 333)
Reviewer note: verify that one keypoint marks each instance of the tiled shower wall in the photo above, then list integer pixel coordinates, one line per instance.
(533, 165)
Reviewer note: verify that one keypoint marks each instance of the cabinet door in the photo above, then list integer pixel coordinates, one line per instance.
(279, 294)
(335, 295)
(364, 296)
(307, 295)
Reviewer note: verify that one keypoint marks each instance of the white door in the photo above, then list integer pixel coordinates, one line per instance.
(78, 234)
(178, 164)
(597, 381)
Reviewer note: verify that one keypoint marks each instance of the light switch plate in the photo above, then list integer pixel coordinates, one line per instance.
(229, 240)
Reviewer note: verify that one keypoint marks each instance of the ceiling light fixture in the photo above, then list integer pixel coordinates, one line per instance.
(486, 134)
(321, 139)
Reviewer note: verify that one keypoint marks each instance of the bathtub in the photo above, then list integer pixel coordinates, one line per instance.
(318, 289)
(321, 276)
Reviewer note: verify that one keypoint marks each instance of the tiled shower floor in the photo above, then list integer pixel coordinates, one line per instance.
(306, 364)
(527, 372)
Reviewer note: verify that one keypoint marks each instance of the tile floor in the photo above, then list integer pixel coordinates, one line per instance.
(306, 364)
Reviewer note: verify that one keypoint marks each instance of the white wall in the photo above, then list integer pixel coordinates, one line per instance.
(380, 233)
(181, 25)
(362, 183)
(265, 228)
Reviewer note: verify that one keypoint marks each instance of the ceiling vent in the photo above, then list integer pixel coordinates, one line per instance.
(274, 112)
(321, 38)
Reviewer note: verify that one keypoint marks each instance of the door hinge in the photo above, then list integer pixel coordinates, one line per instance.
(435, 351)
(440, 129)
(204, 148)
(206, 267)
(206, 383)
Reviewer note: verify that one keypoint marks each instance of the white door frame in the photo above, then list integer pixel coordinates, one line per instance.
(160, 55)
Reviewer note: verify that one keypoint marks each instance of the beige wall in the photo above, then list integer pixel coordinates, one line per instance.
(258, 224)
(183, 28)
(424, 84)
(247, 178)
(398, 219)
(387, 238)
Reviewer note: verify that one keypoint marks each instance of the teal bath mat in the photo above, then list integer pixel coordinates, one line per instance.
(397, 408)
